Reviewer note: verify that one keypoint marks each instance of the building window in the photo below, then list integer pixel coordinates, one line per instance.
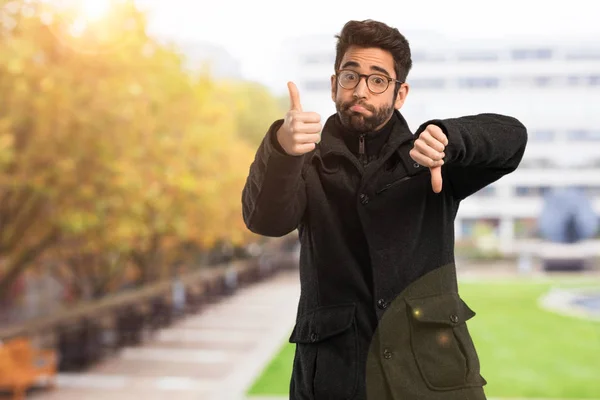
(536, 163)
(543, 81)
(531, 191)
(478, 56)
(542, 135)
(525, 228)
(574, 80)
(479, 82)
(427, 57)
(473, 228)
(583, 135)
(594, 80)
(488, 191)
(424, 83)
(532, 54)
(583, 54)
(583, 80)
(536, 81)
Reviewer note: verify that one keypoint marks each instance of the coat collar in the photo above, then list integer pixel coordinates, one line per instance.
(332, 141)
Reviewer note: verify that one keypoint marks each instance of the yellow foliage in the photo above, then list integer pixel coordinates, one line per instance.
(118, 141)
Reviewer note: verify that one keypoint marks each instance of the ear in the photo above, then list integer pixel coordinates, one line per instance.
(333, 87)
(401, 97)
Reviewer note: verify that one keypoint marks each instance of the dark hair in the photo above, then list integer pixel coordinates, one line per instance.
(371, 33)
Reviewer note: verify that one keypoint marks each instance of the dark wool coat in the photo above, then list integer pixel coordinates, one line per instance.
(379, 315)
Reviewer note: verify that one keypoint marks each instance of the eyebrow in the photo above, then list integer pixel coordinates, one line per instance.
(373, 67)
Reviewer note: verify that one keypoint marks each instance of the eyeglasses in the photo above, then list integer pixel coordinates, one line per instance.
(376, 83)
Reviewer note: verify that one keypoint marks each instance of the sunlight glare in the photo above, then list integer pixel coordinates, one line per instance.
(94, 10)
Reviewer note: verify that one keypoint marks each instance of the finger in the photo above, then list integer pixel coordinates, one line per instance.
(304, 138)
(437, 132)
(436, 179)
(311, 117)
(294, 97)
(432, 141)
(422, 147)
(303, 148)
(424, 160)
(307, 128)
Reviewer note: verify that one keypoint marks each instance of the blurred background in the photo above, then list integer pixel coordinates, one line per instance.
(127, 129)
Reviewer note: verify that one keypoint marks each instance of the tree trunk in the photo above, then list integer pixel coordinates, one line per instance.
(24, 260)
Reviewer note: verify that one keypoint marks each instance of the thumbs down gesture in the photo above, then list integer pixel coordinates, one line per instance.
(428, 151)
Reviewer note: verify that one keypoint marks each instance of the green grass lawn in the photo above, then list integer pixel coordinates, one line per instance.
(525, 351)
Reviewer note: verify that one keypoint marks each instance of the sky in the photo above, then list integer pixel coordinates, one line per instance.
(252, 31)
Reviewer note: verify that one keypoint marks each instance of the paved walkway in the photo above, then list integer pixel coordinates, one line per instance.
(215, 355)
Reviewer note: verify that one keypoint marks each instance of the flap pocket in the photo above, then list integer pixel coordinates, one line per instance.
(447, 309)
(323, 323)
(441, 343)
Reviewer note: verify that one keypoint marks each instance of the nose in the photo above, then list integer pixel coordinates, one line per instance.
(360, 91)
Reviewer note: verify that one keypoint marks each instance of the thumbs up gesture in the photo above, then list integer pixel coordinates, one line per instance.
(300, 130)
(428, 151)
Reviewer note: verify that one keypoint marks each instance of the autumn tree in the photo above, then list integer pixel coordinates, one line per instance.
(111, 152)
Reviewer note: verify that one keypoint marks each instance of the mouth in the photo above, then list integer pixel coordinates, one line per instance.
(359, 109)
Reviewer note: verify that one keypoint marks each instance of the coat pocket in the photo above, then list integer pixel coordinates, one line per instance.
(393, 184)
(326, 364)
(441, 342)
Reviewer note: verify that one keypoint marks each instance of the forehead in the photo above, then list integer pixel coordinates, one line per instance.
(369, 57)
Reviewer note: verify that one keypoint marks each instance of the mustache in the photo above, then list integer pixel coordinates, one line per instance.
(346, 106)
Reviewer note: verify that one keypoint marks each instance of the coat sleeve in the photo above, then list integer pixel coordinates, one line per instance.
(274, 196)
(481, 149)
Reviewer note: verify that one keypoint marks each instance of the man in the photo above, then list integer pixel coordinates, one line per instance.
(379, 315)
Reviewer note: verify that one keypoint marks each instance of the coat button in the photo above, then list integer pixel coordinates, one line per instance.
(416, 165)
(381, 303)
(454, 318)
(314, 337)
(364, 199)
(387, 354)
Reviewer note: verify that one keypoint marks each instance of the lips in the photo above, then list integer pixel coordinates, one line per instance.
(359, 108)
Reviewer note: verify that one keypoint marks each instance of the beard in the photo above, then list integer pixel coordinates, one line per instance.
(360, 123)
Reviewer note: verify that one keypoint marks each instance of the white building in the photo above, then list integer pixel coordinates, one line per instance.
(552, 86)
(201, 55)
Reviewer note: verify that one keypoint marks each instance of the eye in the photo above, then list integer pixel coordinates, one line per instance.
(378, 80)
(349, 76)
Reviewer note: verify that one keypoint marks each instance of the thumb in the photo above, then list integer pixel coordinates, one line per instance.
(294, 97)
(436, 179)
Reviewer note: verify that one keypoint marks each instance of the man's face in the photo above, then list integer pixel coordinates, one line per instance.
(361, 110)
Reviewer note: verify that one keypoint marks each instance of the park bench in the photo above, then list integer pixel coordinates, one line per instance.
(22, 366)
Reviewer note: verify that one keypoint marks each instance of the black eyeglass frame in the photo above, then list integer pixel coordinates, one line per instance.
(367, 77)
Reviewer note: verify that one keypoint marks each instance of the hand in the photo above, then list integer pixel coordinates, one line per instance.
(300, 130)
(428, 151)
